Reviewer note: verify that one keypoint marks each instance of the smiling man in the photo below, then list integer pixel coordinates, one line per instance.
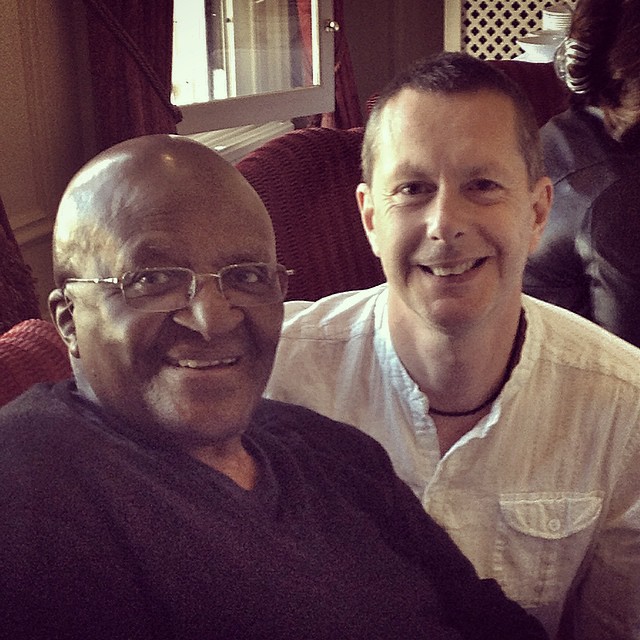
(156, 495)
(197, 375)
(516, 424)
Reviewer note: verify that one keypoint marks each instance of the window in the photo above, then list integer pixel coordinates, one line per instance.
(239, 62)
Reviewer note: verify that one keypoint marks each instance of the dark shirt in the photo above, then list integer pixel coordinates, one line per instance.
(588, 259)
(107, 533)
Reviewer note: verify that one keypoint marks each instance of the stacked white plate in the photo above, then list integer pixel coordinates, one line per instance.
(557, 18)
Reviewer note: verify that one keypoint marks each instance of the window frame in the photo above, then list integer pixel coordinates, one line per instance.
(275, 106)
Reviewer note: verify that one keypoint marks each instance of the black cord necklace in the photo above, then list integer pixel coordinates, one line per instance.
(515, 351)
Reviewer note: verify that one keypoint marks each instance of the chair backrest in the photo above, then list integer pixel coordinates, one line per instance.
(18, 298)
(31, 352)
(307, 179)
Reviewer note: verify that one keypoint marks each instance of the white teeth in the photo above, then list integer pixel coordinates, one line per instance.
(453, 271)
(203, 364)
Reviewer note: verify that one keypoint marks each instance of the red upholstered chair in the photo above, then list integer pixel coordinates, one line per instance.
(30, 352)
(307, 180)
(18, 298)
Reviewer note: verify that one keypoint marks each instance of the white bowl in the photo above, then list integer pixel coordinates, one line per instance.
(541, 45)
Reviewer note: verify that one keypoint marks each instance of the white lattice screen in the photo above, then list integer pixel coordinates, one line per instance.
(490, 29)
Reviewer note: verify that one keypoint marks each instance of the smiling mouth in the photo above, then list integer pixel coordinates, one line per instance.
(188, 363)
(454, 270)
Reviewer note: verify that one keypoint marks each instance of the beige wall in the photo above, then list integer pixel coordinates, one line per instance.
(40, 133)
(43, 110)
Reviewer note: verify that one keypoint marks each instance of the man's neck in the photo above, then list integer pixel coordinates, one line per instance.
(230, 459)
(461, 373)
(460, 370)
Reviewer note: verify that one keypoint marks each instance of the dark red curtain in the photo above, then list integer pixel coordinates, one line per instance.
(347, 113)
(18, 298)
(304, 20)
(130, 49)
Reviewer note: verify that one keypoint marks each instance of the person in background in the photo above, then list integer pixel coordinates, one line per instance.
(588, 259)
(156, 495)
(515, 422)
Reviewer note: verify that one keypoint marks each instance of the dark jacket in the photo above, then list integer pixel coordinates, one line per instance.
(588, 260)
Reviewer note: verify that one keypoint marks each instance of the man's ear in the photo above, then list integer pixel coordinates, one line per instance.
(61, 310)
(365, 204)
(542, 201)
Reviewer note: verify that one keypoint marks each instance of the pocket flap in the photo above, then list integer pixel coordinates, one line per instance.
(550, 515)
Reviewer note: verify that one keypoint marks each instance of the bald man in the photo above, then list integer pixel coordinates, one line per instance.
(155, 495)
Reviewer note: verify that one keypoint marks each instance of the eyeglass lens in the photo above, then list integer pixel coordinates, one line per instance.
(169, 289)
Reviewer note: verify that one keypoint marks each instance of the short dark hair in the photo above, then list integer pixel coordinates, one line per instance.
(457, 73)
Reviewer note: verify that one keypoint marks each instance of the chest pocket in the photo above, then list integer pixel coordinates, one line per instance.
(541, 542)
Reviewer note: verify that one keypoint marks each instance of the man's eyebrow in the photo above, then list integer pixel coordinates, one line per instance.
(147, 253)
(244, 256)
(483, 169)
(408, 169)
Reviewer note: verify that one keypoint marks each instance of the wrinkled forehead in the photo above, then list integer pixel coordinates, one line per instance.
(478, 109)
(421, 122)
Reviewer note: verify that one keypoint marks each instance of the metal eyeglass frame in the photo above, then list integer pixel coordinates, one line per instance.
(124, 281)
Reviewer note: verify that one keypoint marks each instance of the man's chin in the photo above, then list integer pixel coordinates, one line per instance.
(204, 420)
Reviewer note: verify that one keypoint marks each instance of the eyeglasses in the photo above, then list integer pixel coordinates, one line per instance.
(167, 289)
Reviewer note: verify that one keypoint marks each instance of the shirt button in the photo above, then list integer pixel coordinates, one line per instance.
(554, 525)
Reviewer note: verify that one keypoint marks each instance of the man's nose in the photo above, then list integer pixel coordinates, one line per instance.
(445, 217)
(209, 312)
